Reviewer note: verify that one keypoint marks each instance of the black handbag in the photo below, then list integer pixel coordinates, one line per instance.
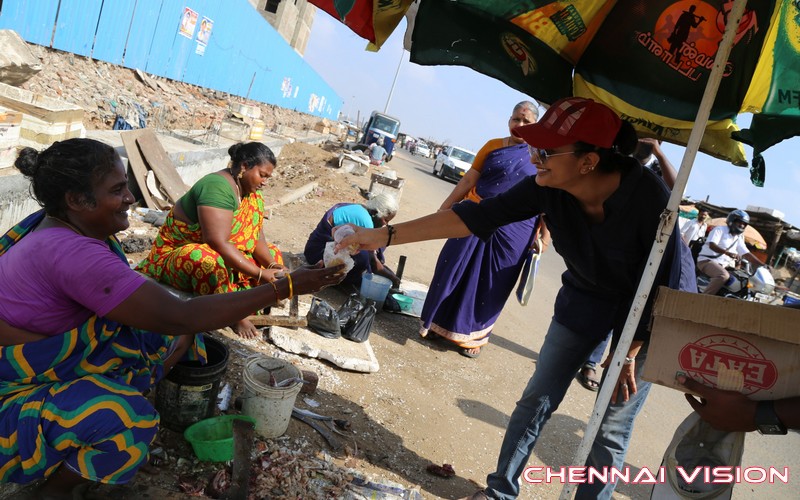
(358, 329)
(323, 319)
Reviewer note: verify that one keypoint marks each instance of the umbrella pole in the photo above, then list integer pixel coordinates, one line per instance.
(668, 218)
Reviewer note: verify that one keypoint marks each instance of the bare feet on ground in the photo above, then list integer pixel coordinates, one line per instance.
(245, 329)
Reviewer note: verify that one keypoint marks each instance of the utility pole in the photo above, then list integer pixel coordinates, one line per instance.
(391, 90)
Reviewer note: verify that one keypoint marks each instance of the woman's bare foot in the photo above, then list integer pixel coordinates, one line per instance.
(245, 329)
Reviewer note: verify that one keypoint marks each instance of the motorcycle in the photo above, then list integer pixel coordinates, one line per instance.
(743, 283)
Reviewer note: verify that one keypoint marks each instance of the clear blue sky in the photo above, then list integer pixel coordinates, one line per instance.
(459, 106)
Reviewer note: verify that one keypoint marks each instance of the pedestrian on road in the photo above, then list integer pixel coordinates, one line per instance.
(473, 278)
(603, 210)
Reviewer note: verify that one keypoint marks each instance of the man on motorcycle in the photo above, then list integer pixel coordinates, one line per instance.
(724, 248)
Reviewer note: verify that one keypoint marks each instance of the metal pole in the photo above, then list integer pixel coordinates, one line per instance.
(391, 90)
(668, 219)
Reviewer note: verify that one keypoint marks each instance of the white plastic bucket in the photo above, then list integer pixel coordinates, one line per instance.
(270, 406)
(375, 288)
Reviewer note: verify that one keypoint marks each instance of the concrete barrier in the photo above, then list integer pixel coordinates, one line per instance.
(191, 161)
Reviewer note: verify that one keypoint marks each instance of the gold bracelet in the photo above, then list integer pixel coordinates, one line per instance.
(291, 288)
(275, 287)
(260, 270)
(274, 265)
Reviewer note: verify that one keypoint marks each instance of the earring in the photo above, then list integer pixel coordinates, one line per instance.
(241, 173)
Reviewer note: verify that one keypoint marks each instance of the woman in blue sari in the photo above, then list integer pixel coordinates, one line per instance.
(474, 278)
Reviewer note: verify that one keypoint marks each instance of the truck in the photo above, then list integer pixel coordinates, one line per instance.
(381, 125)
(453, 162)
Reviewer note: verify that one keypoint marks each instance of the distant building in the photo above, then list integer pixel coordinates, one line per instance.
(292, 19)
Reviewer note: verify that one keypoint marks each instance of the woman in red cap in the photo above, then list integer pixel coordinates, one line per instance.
(603, 210)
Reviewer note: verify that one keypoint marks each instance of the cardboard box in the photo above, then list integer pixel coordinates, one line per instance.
(732, 344)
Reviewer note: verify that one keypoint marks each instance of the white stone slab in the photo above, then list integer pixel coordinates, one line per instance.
(341, 352)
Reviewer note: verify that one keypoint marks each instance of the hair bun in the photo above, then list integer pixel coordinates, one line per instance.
(27, 162)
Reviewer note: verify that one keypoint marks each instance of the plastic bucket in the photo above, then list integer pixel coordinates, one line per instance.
(189, 392)
(375, 288)
(270, 406)
(212, 438)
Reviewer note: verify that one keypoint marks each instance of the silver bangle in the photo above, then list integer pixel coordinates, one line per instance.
(629, 361)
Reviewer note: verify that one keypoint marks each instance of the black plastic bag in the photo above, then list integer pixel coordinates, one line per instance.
(349, 310)
(358, 330)
(695, 246)
(323, 319)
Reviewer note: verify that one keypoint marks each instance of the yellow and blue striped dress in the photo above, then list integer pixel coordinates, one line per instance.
(77, 398)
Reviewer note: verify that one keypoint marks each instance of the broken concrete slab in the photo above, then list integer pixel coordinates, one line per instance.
(44, 119)
(17, 62)
(353, 356)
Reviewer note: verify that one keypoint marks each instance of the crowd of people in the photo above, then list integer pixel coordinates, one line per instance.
(81, 333)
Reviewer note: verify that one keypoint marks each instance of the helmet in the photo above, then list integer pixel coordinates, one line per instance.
(734, 217)
(380, 141)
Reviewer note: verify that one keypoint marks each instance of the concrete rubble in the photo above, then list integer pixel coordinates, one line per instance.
(17, 62)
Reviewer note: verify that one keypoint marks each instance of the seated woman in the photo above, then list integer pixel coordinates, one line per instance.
(376, 212)
(83, 336)
(212, 240)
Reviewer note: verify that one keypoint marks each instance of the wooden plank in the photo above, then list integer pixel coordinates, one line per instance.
(159, 162)
(137, 164)
(243, 434)
(287, 321)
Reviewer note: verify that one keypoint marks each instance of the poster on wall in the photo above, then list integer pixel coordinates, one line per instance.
(205, 30)
(203, 34)
(188, 23)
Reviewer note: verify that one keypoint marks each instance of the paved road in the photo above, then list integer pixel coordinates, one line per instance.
(511, 359)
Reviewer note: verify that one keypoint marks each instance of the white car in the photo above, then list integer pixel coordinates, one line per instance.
(422, 149)
(453, 162)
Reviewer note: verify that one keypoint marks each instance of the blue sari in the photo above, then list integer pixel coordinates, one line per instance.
(77, 398)
(474, 278)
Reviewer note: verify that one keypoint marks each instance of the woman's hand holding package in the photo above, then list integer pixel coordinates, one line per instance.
(361, 239)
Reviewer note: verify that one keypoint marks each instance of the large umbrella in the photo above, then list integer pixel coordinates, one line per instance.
(373, 20)
(751, 235)
(649, 60)
(673, 102)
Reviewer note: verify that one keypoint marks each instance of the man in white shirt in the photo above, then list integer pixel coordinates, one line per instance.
(724, 247)
(695, 229)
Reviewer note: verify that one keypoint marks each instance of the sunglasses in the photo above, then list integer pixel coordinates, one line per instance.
(542, 155)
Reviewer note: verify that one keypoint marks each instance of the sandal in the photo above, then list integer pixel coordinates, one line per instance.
(586, 379)
(471, 352)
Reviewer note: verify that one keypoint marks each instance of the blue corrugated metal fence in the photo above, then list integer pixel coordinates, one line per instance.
(243, 55)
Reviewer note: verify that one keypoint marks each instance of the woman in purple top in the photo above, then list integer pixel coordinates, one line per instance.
(83, 336)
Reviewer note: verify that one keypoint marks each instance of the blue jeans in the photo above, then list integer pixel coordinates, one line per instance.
(596, 357)
(560, 357)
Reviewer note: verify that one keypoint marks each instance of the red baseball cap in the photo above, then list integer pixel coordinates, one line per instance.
(571, 120)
